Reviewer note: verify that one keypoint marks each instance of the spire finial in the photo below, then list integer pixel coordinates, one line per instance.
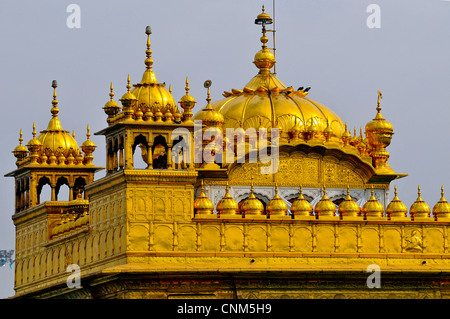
(128, 85)
(148, 61)
(380, 96)
(54, 109)
(187, 88)
(34, 130)
(442, 190)
(395, 190)
(112, 91)
(20, 138)
(418, 191)
(207, 84)
(88, 134)
(348, 190)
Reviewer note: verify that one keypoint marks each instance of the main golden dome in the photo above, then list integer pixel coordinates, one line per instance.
(266, 102)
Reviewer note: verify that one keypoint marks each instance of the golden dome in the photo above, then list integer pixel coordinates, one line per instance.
(396, 208)
(202, 204)
(111, 107)
(276, 205)
(301, 207)
(227, 205)
(419, 208)
(20, 151)
(208, 115)
(266, 102)
(325, 207)
(54, 140)
(252, 205)
(442, 208)
(373, 208)
(150, 94)
(348, 207)
(128, 97)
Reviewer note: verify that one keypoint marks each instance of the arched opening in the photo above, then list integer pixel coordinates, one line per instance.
(44, 190)
(78, 187)
(179, 153)
(62, 189)
(159, 151)
(141, 143)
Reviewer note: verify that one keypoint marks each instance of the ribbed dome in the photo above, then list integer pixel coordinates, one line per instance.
(301, 207)
(396, 207)
(227, 205)
(57, 141)
(54, 140)
(252, 205)
(202, 204)
(419, 208)
(150, 94)
(442, 208)
(348, 207)
(276, 205)
(254, 107)
(325, 207)
(373, 208)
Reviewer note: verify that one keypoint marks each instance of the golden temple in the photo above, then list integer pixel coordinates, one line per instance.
(208, 217)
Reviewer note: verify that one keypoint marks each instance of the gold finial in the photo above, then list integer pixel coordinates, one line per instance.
(301, 190)
(348, 190)
(442, 187)
(148, 61)
(395, 190)
(207, 84)
(54, 109)
(371, 190)
(20, 138)
(128, 83)
(380, 96)
(112, 93)
(88, 134)
(34, 130)
(170, 88)
(418, 191)
(187, 86)
(73, 133)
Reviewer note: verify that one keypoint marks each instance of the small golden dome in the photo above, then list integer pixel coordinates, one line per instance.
(373, 208)
(88, 145)
(227, 205)
(276, 205)
(348, 207)
(54, 140)
(111, 107)
(202, 204)
(252, 205)
(20, 151)
(128, 97)
(301, 207)
(442, 208)
(208, 115)
(325, 207)
(396, 208)
(379, 123)
(419, 208)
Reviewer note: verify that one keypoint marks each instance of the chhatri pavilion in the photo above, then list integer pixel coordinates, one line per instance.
(262, 194)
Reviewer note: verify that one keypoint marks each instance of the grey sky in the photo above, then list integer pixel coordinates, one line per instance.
(324, 44)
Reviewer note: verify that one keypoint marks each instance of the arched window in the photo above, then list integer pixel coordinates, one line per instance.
(78, 187)
(44, 190)
(62, 189)
(159, 151)
(141, 143)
